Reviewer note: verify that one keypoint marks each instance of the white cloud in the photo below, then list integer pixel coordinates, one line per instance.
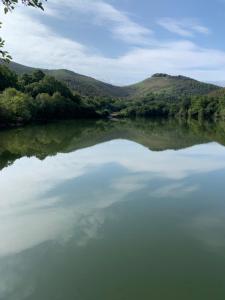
(102, 13)
(35, 216)
(185, 27)
(176, 190)
(33, 43)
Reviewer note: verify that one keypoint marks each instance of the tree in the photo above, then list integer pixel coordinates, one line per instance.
(50, 86)
(25, 79)
(9, 5)
(38, 75)
(15, 107)
(7, 78)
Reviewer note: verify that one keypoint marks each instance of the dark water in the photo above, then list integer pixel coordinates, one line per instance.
(113, 210)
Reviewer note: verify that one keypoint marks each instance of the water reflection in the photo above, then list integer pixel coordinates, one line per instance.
(127, 198)
(49, 198)
(64, 137)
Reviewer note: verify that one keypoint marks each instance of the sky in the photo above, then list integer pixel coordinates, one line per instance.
(121, 41)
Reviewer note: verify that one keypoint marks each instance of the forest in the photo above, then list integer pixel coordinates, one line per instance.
(210, 107)
(37, 97)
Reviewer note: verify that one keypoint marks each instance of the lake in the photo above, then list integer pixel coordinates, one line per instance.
(113, 210)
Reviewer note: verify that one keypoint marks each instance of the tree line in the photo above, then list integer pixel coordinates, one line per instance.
(38, 97)
(211, 106)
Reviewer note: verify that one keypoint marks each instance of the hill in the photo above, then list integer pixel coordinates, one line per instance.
(82, 84)
(163, 84)
(218, 93)
(171, 86)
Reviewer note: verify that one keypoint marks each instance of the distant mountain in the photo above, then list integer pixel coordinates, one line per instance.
(170, 86)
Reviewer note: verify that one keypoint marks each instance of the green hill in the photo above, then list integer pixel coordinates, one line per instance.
(170, 86)
(218, 93)
(84, 85)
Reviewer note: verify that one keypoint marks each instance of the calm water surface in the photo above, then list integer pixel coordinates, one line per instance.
(120, 210)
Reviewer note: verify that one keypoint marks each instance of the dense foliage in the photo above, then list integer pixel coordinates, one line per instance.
(8, 78)
(195, 107)
(37, 97)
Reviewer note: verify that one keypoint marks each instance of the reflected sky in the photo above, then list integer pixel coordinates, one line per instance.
(44, 200)
(78, 198)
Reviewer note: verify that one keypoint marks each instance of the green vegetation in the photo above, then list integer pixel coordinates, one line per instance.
(84, 85)
(8, 78)
(210, 106)
(168, 86)
(36, 96)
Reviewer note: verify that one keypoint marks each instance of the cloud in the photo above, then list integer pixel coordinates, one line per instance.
(35, 216)
(33, 43)
(185, 27)
(175, 190)
(208, 228)
(102, 13)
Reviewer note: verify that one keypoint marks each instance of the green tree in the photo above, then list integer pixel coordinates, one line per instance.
(38, 75)
(25, 79)
(15, 106)
(7, 78)
(48, 85)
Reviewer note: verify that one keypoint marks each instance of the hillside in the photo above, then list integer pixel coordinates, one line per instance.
(218, 93)
(84, 85)
(170, 86)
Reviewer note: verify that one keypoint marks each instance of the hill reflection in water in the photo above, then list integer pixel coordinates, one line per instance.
(64, 137)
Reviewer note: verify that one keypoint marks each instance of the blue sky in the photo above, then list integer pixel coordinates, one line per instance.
(121, 41)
